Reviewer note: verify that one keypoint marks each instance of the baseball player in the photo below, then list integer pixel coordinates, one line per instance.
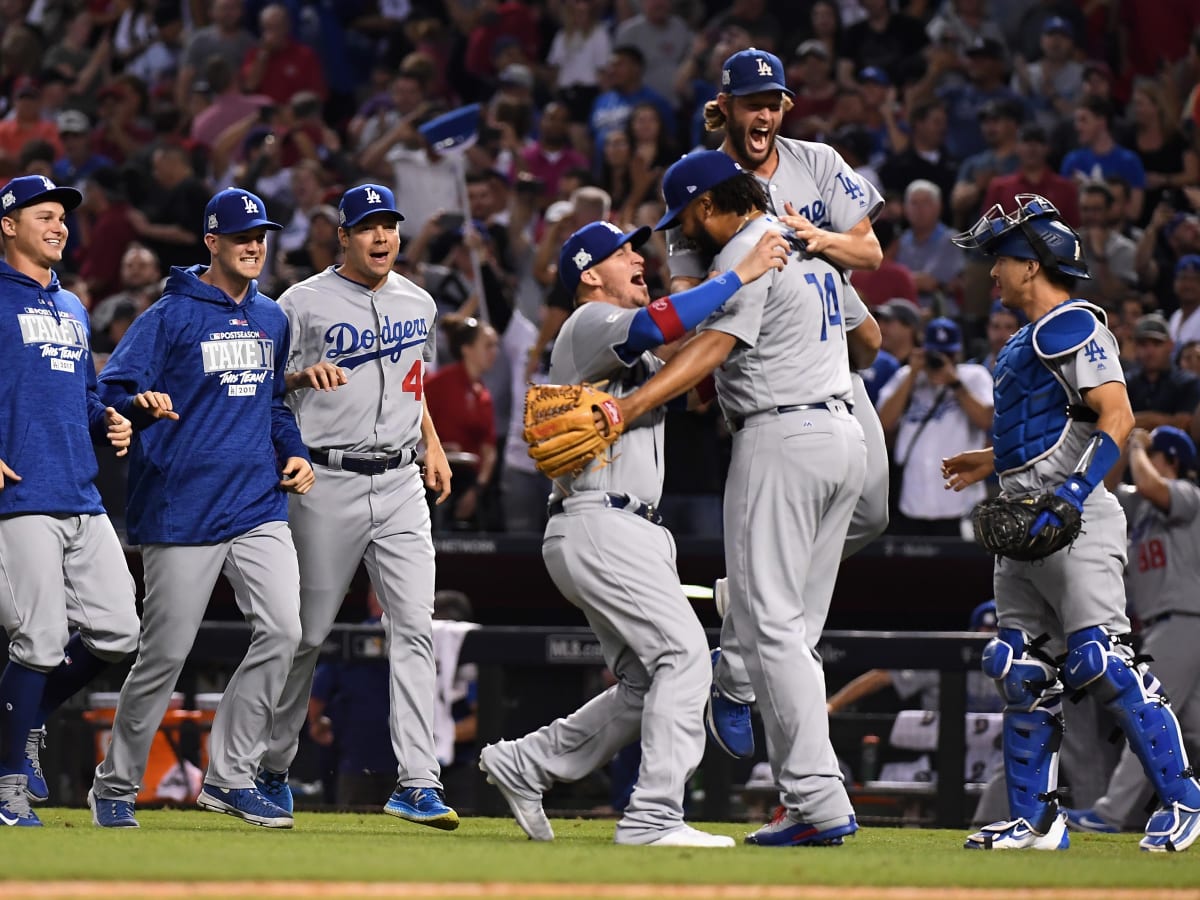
(361, 338)
(1163, 509)
(608, 554)
(831, 208)
(63, 564)
(201, 374)
(1062, 413)
(799, 460)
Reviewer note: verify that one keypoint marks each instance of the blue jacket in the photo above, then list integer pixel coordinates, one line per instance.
(214, 473)
(49, 411)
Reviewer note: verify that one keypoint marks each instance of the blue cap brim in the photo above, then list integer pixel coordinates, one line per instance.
(395, 213)
(67, 196)
(251, 225)
(762, 89)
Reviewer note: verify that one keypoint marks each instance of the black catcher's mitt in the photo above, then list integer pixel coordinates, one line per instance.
(1004, 527)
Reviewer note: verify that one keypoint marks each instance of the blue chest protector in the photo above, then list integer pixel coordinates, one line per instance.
(1031, 403)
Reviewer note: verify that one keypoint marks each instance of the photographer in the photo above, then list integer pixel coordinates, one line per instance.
(932, 403)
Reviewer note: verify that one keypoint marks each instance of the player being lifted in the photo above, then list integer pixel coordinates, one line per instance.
(1062, 414)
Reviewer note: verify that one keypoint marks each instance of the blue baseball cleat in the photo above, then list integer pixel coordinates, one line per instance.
(1018, 835)
(423, 805)
(35, 781)
(1088, 820)
(111, 813)
(1171, 829)
(728, 722)
(274, 786)
(246, 804)
(15, 810)
(786, 831)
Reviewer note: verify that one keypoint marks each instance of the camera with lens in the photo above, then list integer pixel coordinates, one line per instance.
(935, 361)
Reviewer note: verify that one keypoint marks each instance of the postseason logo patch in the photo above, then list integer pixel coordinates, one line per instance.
(62, 340)
(241, 360)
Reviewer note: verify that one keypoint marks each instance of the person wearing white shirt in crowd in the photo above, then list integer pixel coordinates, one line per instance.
(932, 403)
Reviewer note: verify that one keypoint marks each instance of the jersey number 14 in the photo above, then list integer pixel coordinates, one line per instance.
(831, 313)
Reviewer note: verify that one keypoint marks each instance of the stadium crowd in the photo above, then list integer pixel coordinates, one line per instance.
(149, 106)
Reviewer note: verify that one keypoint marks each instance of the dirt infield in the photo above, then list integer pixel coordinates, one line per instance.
(69, 890)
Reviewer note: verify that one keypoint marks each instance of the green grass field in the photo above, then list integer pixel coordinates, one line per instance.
(324, 847)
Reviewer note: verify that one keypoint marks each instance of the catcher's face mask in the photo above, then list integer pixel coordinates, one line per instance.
(1035, 230)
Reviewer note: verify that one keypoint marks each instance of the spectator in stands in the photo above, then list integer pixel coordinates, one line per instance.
(1002, 324)
(1033, 21)
(1111, 257)
(37, 158)
(962, 23)
(228, 104)
(1170, 163)
(551, 156)
(76, 57)
(462, 407)
(407, 93)
(225, 37)
(612, 109)
(1189, 359)
(1034, 176)
(579, 54)
(308, 192)
(891, 279)
(1159, 392)
(825, 25)
(1170, 235)
(1118, 221)
(319, 250)
(900, 326)
(121, 130)
(925, 250)
(78, 161)
(1053, 84)
(933, 402)
(159, 60)
(280, 66)
(171, 219)
(883, 116)
(926, 156)
(1099, 155)
(141, 285)
(1000, 121)
(816, 92)
(502, 25)
(891, 41)
(26, 123)
(427, 184)
(104, 221)
(663, 38)
(1184, 324)
(629, 180)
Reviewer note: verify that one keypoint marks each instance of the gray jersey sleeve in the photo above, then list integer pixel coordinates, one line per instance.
(854, 310)
(295, 325)
(1184, 500)
(586, 348)
(684, 259)
(1096, 363)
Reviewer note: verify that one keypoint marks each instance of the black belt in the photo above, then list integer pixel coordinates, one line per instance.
(617, 501)
(1166, 617)
(739, 422)
(365, 463)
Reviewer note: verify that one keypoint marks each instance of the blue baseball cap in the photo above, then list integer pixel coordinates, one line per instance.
(233, 211)
(943, 335)
(1058, 25)
(875, 75)
(366, 200)
(983, 616)
(1176, 445)
(1188, 263)
(30, 189)
(690, 177)
(751, 71)
(593, 244)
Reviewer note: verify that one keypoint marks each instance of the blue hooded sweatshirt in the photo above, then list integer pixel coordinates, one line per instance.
(214, 473)
(49, 411)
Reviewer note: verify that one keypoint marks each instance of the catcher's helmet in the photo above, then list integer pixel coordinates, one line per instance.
(1035, 230)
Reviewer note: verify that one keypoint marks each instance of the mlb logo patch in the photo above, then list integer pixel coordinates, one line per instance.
(8, 200)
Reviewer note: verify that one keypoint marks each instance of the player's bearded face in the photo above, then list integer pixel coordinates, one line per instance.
(752, 122)
(242, 255)
(371, 246)
(692, 225)
(39, 233)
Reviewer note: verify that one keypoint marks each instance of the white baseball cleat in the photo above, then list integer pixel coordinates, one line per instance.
(1018, 835)
(525, 806)
(687, 836)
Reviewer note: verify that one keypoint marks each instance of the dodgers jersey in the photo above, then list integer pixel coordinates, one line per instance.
(790, 329)
(815, 180)
(382, 339)
(1097, 363)
(1164, 550)
(586, 350)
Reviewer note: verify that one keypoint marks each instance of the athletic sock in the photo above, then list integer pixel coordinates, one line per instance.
(20, 691)
(76, 670)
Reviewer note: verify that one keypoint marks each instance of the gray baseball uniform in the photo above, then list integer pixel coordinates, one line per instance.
(1161, 578)
(619, 569)
(799, 460)
(382, 339)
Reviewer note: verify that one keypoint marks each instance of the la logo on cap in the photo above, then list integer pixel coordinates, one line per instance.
(764, 68)
(251, 206)
(373, 196)
(49, 185)
(614, 229)
(581, 260)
